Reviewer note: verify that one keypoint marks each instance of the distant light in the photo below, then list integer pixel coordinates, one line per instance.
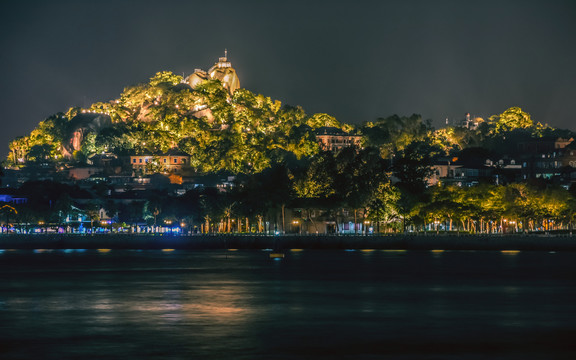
(510, 252)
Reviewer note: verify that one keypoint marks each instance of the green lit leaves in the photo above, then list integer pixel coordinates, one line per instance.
(165, 77)
(511, 119)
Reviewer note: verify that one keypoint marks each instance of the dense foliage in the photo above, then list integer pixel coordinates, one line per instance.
(273, 150)
(242, 133)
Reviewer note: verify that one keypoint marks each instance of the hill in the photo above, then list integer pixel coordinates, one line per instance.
(220, 129)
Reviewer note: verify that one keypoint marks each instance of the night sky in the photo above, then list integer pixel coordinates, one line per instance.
(356, 60)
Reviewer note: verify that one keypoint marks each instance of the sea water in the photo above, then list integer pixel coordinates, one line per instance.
(172, 304)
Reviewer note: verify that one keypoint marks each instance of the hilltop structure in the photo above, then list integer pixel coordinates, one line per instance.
(177, 125)
(222, 70)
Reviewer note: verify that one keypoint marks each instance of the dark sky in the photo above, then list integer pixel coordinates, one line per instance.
(356, 60)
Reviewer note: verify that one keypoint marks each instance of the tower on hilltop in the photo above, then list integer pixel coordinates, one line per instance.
(222, 70)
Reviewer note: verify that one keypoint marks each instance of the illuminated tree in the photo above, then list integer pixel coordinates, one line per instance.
(395, 133)
(511, 119)
(40, 153)
(165, 77)
(317, 180)
(320, 120)
(382, 205)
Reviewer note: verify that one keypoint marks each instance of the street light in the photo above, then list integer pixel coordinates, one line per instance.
(297, 223)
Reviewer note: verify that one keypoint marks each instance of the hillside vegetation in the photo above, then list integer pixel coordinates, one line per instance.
(242, 133)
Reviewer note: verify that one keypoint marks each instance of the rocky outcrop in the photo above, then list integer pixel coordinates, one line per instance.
(81, 125)
(222, 70)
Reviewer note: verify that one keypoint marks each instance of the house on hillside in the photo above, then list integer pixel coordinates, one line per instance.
(471, 172)
(172, 161)
(543, 145)
(334, 139)
(550, 158)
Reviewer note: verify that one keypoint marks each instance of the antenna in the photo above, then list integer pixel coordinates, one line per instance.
(226, 53)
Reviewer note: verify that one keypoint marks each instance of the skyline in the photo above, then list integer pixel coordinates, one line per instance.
(355, 62)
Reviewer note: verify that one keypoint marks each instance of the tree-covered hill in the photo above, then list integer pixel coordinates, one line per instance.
(242, 133)
(274, 151)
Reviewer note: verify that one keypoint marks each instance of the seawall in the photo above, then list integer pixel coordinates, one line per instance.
(408, 242)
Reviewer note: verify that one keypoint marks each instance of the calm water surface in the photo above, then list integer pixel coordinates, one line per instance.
(311, 305)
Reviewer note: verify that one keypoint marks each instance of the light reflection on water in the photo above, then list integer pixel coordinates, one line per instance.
(311, 304)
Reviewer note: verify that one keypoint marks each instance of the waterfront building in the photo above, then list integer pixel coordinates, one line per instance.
(13, 199)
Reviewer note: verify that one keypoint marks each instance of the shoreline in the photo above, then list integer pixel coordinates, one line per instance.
(531, 242)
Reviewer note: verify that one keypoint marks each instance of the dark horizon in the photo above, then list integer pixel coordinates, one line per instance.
(356, 61)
